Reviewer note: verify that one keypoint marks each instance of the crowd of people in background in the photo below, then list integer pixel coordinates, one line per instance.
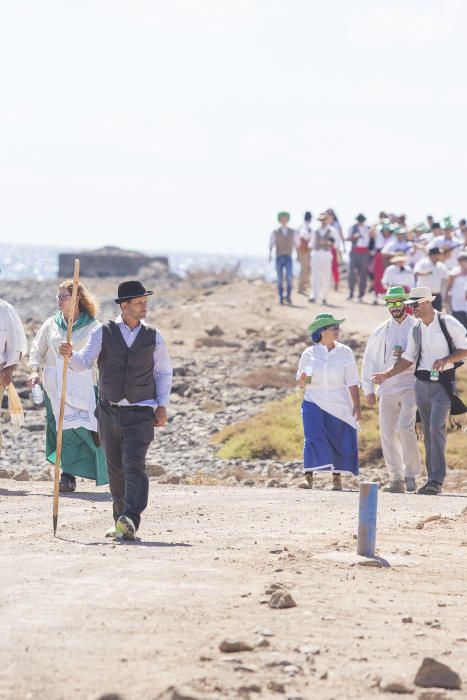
(376, 256)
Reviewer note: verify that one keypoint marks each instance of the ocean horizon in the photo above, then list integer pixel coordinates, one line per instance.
(41, 262)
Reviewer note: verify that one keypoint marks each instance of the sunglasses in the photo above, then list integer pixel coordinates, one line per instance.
(394, 304)
(62, 297)
(415, 304)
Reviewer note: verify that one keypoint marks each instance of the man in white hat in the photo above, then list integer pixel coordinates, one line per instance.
(399, 274)
(432, 273)
(396, 397)
(436, 345)
(13, 343)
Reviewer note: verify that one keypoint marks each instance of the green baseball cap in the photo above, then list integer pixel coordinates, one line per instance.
(394, 293)
(323, 320)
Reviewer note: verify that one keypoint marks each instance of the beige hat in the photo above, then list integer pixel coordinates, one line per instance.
(418, 294)
(398, 258)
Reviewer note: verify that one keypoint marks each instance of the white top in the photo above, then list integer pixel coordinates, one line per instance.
(395, 276)
(80, 396)
(12, 338)
(458, 291)
(434, 345)
(363, 231)
(433, 275)
(394, 245)
(333, 371)
(378, 356)
(304, 233)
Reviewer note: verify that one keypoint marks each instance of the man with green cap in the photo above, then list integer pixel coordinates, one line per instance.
(283, 240)
(397, 406)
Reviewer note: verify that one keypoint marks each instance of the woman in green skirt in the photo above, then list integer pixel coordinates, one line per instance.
(81, 455)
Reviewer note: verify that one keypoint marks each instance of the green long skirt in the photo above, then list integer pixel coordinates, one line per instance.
(80, 455)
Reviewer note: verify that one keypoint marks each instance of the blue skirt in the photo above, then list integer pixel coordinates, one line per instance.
(330, 443)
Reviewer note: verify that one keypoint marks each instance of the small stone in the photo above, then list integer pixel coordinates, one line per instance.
(264, 631)
(273, 483)
(309, 649)
(230, 645)
(276, 687)
(396, 685)
(433, 695)
(185, 692)
(253, 688)
(407, 619)
(282, 599)
(433, 674)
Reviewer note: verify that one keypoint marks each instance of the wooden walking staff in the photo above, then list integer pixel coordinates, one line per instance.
(58, 451)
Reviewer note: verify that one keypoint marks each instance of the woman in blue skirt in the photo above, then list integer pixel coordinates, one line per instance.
(331, 406)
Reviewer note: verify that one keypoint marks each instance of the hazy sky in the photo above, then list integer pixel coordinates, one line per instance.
(187, 124)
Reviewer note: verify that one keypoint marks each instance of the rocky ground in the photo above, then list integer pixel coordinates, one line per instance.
(233, 349)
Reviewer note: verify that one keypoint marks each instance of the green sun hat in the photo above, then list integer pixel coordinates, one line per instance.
(447, 223)
(323, 320)
(394, 293)
(283, 213)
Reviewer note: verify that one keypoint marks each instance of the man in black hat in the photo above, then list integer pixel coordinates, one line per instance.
(135, 379)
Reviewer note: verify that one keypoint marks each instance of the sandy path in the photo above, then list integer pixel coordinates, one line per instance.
(82, 616)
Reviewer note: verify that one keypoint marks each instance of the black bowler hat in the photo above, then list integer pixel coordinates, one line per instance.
(131, 290)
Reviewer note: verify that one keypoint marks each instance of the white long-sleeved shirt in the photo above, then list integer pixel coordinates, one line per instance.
(396, 276)
(378, 356)
(162, 366)
(13, 344)
(432, 274)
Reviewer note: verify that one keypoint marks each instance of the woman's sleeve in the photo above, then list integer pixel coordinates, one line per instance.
(39, 347)
(351, 371)
(301, 366)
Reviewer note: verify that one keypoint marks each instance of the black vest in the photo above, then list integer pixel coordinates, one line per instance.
(126, 373)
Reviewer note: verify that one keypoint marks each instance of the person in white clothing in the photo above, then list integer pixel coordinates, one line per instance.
(321, 258)
(457, 290)
(432, 273)
(449, 244)
(399, 274)
(436, 346)
(13, 345)
(396, 397)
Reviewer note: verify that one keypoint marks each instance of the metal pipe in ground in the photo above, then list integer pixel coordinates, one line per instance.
(367, 513)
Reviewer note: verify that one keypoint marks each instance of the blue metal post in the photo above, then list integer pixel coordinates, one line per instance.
(367, 511)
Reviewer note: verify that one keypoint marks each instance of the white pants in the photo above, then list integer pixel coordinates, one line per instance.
(321, 269)
(397, 413)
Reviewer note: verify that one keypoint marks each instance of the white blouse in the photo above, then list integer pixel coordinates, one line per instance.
(333, 372)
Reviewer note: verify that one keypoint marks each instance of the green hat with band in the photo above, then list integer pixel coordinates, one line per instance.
(394, 293)
(324, 320)
(283, 213)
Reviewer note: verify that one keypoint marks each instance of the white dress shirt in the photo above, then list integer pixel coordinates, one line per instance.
(437, 274)
(84, 359)
(378, 355)
(334, 371)
(458, 291)
(434, 344)
(363, 231)
(396, 276)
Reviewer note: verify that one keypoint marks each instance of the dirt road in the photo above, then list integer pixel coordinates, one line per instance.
(82, 616)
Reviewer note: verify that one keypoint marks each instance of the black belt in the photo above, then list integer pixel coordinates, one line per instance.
(117, 405)
(447, 376)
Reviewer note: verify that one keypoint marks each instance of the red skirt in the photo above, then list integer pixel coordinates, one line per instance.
(378, 272)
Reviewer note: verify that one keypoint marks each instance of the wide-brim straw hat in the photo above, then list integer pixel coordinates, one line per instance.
(398, 258)
(394, 293)
(418, 294)
(324, 320)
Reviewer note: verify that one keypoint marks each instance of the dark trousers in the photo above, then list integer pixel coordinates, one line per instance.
(461, 316)
(284, 264)
(126, 433)
(359, 264)
(438, 302)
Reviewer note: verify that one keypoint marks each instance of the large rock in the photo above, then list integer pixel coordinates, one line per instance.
(107, 262)
(433, 674)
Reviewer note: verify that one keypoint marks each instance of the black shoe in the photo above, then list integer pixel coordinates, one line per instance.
(288, 301)
(281, 301)
(350, 297)
(431, 488)
(67, 483)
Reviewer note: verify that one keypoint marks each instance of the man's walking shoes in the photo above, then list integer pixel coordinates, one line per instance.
(125, 527)
(336, 482)
(410, 484)
(431, 488)
(397, 486)
(67, 483)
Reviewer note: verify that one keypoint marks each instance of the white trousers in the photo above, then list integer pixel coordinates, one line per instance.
(321, 269)
(397, 413)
